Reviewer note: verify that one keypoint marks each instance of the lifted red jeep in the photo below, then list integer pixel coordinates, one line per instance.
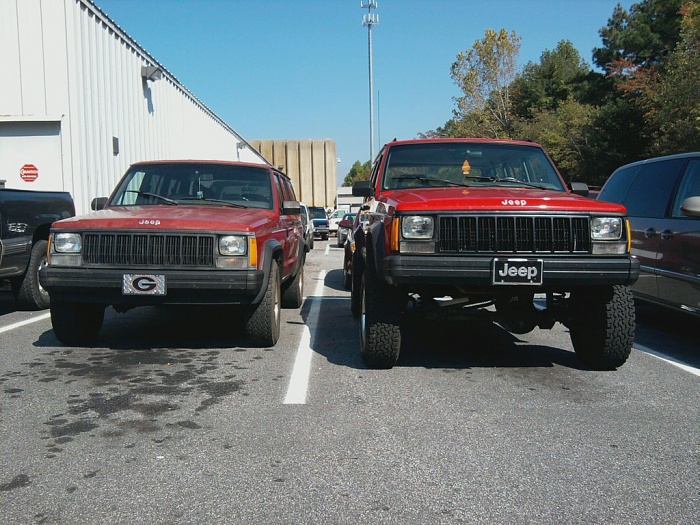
(180, 232)
(479, 224)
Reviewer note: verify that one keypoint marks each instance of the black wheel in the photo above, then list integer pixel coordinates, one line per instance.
(263, 319)
(76, 324)
(603, 332)
(347, 277)
(356, 284)
(29, 292)
(380, 323)
(293, 295)
(311, 243)
(324, 236)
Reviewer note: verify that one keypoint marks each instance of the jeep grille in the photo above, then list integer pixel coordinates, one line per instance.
(514, 234)
(148, 249)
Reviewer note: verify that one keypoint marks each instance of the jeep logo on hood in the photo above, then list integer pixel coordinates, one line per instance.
(149, 222)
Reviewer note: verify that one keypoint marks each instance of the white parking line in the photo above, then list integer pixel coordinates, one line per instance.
(328, 249)
(299, 381)
(670, 360)
(25, 322)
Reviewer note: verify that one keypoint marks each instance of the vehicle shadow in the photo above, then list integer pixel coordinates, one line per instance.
(665, 331)
(334, 280)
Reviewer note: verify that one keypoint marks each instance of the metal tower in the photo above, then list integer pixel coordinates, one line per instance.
(369, 20)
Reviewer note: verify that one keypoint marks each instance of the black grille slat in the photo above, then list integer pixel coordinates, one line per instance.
(147, 249)
(513, 234)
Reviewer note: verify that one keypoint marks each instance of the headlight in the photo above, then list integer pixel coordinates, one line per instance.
(417, 227)
(67, 242)
(233, 245)
(606, 228)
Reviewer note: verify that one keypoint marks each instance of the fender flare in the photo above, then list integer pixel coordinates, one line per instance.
(272, 252)
(374, 244)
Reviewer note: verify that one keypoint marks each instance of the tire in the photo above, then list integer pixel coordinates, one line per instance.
(293, 296)
(29, 292)
(324, 236)
(76, 324)
(356, 285)
(603, 332)
(347, 278)
(263, 319)
(380, 323)
(311, 242)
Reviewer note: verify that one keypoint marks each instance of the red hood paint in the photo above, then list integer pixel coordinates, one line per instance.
(501, 199)
(182, 217)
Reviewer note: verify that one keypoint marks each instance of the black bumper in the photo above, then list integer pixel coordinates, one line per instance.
(182, 286)
(477, 271)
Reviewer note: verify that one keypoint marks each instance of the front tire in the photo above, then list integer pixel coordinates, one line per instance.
(603, 332)
(76, 324)
(29, 292)
(263, 319)
(380, 323)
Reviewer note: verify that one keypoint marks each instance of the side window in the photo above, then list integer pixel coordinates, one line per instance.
(651, 190)
(618, 184)
(375, 169)
(689, 187)
(280, 194)
(289, 190)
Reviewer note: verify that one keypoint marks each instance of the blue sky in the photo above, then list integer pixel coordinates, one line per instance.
(282, 69)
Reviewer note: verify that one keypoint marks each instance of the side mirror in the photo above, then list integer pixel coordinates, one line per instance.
(363, 188)
(579, 188)
(98, 203)
(291, 208)
(691, 207)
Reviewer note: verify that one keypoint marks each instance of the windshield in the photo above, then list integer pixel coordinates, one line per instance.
(195, 183)
(469, 164)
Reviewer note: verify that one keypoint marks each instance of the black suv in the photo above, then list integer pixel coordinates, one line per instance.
(662, 196)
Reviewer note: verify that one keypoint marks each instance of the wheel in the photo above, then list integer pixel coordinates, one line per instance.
(29, 292)
(356, 284)
(293, 296)
(340, 244)
(380, 323)
(324, 236)
(311, 243)
(76, 324)
(603, 332)
(263, 319)
(347, 277)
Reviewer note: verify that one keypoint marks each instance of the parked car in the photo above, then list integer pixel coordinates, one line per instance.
(333, 219)
(180, 232)
(662, 196)
(463, 225)
(25, 220)
(320, 220)
(308, 224)
(344, 227)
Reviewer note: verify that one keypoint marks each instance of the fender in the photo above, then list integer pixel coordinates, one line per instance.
(374, 241)
(270, 253)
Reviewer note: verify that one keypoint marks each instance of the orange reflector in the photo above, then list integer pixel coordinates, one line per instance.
(252, 252)
(395, 225)
(629, 236)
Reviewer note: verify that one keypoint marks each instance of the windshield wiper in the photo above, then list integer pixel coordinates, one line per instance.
(218, 201)
(147, 194)
(511, 180)
(424, 178)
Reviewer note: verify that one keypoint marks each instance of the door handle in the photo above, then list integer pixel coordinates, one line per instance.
(649, 232)
(666, 234)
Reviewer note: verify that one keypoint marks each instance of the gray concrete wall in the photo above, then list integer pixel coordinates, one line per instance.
(310, 163)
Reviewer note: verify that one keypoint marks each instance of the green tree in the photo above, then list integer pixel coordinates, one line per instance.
(358, 171)
(484, 74)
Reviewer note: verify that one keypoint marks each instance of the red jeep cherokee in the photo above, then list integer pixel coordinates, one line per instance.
(180, 232)
(477, 223)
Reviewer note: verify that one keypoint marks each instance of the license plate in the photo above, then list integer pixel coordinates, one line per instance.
(143, 284)
(517, 271)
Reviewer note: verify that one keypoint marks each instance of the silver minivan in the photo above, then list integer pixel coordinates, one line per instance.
(662, 196)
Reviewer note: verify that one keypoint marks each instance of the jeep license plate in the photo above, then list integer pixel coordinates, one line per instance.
(517, 271)
(143, 284)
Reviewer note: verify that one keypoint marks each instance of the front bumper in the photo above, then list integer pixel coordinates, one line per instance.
(104, 286)
(477, 271)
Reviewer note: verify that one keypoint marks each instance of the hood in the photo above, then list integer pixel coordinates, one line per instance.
(168, 218)
(460, 198)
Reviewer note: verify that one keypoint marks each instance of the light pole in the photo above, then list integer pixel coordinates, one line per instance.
(369, 20)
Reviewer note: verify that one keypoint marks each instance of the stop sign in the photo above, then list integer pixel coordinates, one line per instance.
(29, 173)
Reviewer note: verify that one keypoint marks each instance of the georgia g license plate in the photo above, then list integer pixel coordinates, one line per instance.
(142, 284)
(517, 271)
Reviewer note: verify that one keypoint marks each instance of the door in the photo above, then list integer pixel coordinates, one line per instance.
(30, 155)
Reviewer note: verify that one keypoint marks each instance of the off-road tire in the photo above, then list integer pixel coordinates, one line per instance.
(28, 291)
(76, 324)
(293, 295)
(380, 322)
(263, 319)
(602, 332)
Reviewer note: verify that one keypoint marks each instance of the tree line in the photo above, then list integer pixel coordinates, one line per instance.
(643, 100)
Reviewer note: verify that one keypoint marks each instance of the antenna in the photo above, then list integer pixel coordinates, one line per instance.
(369, 20)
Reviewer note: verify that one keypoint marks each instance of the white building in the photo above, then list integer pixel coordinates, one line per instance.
(80, 101)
